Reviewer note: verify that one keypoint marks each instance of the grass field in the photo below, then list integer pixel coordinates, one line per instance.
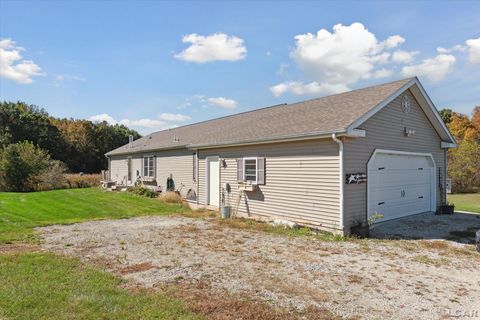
(465, 202)
(45, 286)
(21, 212)
(37, 285)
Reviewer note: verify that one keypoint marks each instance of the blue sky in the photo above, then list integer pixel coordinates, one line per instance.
(153, 65)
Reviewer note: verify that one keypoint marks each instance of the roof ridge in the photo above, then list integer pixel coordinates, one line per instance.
(279, 105)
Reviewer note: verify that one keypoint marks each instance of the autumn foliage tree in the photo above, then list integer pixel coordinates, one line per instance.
(464, 161)
(80, 144)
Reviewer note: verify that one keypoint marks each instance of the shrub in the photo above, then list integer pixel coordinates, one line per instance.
(142, 191)
(170, 197)
(25, 167)
(53, 177)
(82, 181)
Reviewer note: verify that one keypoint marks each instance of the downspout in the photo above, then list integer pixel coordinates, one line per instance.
(340, 155)
(198, 177)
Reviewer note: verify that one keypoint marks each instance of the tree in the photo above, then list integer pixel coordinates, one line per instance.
(462, 128)
(22, 122)
(22, 165)
(464, 166)
(464, 161)
(476, 118)
(446, 115)
(80, 144)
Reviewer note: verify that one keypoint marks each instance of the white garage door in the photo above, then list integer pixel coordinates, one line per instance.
(400, 184)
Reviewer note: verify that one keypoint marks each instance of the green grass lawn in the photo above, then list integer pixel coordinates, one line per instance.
(466, 202)
(21, 212)
(45, 286)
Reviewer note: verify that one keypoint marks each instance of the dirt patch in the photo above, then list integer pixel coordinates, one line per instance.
(139, 267)
(227, 306)
(218, 268)
(18, 248)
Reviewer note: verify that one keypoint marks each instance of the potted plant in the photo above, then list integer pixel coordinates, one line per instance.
(448, 208)
(362, 229)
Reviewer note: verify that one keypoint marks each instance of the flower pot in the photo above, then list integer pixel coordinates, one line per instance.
(361, 231)
(446, 209)
(225, 212)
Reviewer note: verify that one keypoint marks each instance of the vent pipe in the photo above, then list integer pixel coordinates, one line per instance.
(130, 141)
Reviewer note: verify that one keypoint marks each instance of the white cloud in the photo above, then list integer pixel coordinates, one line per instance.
(103, 117)
(145, 125)
(434, 69)
(312, 88)
(173, 117)
(393, 41)
(457, 47)
(382, 73)
(473, 46)
(400, 56)
(215, 47)
(332, 61)
(283, 70)
(13, 66)
(61, 78)
(222, 102)
(342, 57)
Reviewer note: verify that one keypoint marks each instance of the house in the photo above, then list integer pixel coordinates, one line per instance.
(327, 163)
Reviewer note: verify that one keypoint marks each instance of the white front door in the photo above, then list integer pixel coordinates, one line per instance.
(213, 172)
(400, 185)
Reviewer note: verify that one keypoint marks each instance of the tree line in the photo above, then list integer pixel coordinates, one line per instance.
(79, 144)
(464, 161)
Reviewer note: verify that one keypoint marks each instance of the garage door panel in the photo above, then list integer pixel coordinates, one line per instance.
(393, 179)
(410, 193)
(399, 185)
(398, 211)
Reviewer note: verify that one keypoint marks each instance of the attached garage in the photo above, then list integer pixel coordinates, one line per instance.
(400, 184)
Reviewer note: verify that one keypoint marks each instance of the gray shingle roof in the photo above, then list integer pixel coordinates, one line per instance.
(322, 115)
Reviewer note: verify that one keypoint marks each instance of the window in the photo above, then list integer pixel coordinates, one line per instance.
(148, 166)
(251, 170)
(194, 166)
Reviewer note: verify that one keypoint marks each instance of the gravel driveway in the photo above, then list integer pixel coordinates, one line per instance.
(367, 279)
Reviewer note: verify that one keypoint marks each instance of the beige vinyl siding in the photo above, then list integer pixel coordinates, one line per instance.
(301, 181)
(176, 162)
(118, 169)
(385, 130)
(179, 163)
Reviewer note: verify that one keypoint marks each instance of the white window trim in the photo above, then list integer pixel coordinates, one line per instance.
(143, 166)
(256, 170)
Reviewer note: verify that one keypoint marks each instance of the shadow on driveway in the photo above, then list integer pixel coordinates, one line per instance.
(459, 227)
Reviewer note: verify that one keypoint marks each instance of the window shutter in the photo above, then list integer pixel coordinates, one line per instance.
(194, 167)
(239, 170)
(145, 166)
(155, 167)
(261, 170)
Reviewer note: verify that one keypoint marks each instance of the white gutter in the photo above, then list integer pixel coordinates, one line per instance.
(340, 155)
